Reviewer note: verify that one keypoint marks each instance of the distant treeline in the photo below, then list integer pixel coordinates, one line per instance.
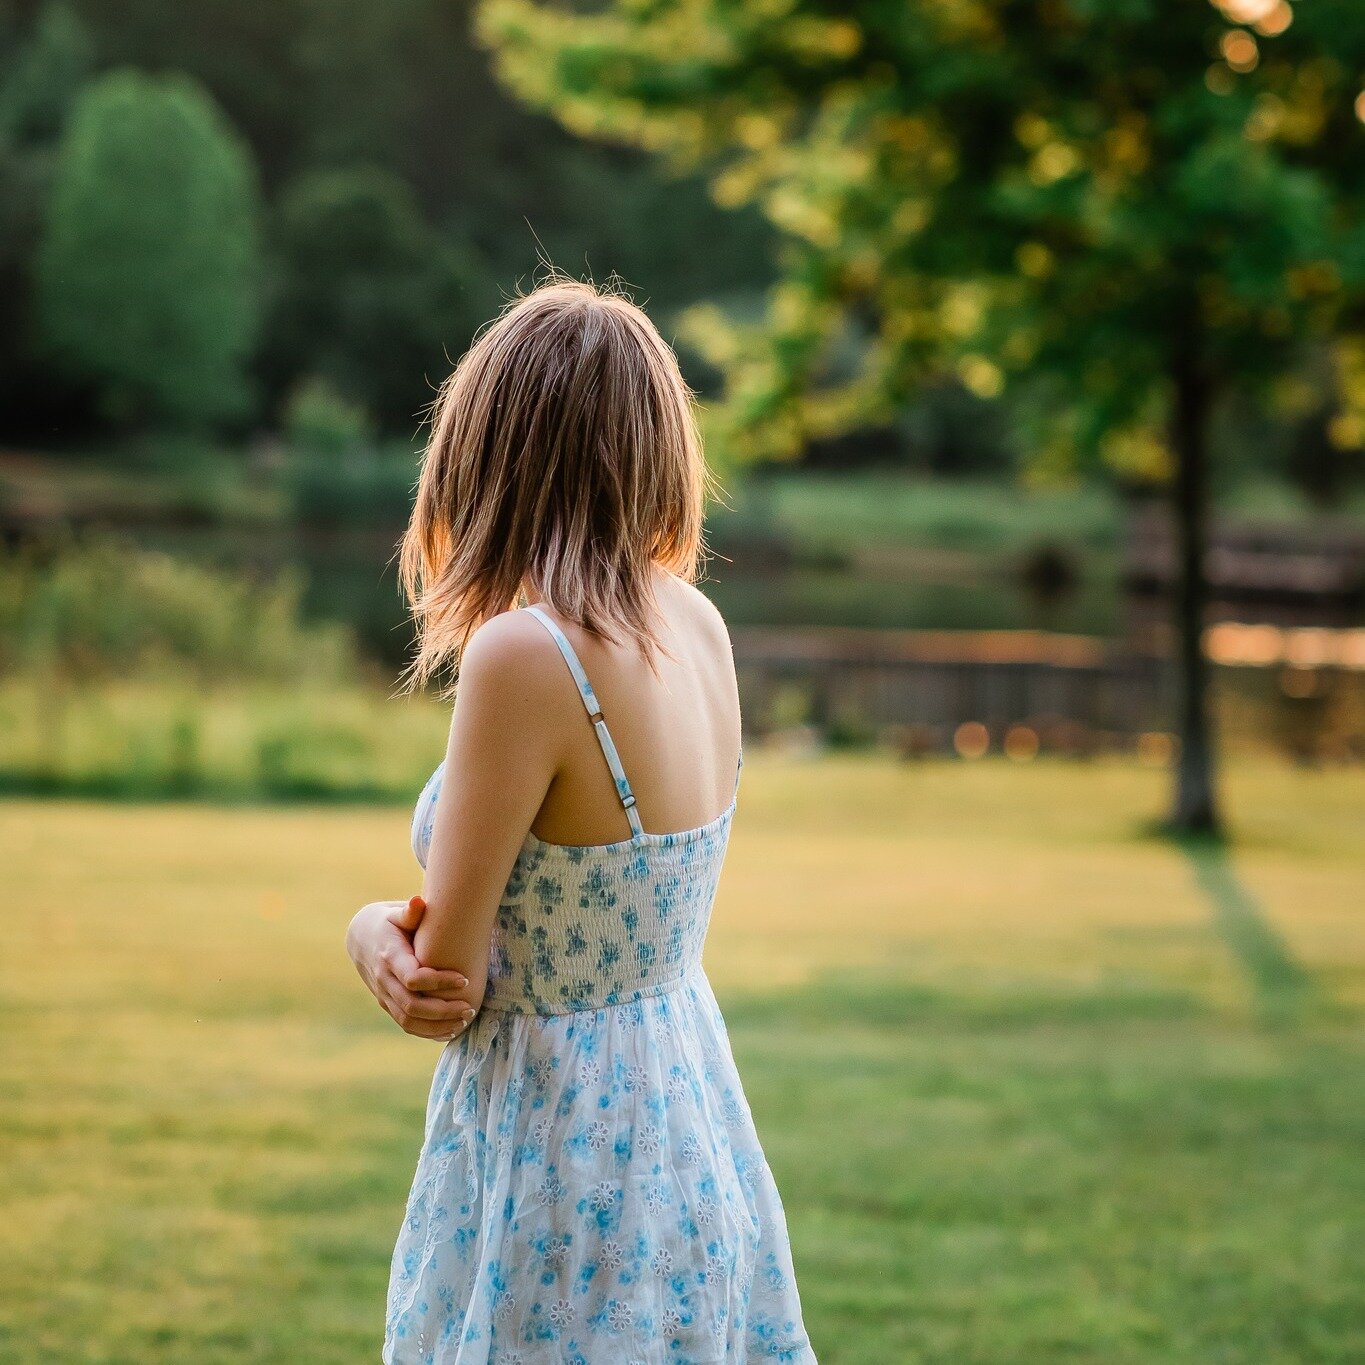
(203, 207)
(213, 214)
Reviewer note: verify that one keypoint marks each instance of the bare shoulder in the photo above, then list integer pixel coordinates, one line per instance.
(704, 617)
(511, 637)
(512, 665)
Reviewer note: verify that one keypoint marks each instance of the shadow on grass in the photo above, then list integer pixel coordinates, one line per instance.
(1283, 989)
(1051, 1171)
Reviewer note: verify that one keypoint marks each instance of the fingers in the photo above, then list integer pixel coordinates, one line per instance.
(429, 1007)
(422, 1015)
(430, 981)
(435, 1033)
(421, 980)
(409, 915)
(397, 954)
(437, 1030)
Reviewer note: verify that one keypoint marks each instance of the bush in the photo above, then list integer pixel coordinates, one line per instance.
(319, 421)
(129, 674)
(107, 609)
(364, 487)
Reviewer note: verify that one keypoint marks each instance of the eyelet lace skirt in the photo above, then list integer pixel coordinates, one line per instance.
(591, 1189)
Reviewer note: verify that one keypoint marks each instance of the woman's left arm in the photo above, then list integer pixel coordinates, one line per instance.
(504, 752)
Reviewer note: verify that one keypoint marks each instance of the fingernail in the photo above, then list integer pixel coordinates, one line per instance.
(416, 903)
(467, 1015)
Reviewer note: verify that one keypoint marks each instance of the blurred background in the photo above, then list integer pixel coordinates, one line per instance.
(1030, 342)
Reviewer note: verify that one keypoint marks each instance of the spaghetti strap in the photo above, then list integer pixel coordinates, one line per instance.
(594, 709)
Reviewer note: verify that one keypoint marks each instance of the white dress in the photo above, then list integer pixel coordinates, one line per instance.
(591, 1188)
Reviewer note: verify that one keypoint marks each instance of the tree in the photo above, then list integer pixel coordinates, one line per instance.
(147, 273)
(1127, 210)
(367, 295)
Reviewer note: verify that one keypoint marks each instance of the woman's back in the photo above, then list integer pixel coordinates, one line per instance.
(676, 726)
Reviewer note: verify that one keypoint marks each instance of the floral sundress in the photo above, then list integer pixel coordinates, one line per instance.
(591, 1188)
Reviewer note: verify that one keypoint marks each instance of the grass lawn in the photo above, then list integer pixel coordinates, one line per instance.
(852, 510)
(1036, 1087)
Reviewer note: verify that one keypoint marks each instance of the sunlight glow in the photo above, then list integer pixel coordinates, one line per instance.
(971, 739)
(1276, 21)
(1248, 11)
(1239, 50)
(1219, 79)
(1021, 743)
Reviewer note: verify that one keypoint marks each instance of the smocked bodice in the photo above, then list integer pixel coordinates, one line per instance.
(583, 927)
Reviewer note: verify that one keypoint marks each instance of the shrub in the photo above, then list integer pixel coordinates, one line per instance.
(320, 421)
(108, 609)
(363, 487)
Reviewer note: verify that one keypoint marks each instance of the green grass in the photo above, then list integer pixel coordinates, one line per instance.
(851, 511)
(899, 551)
(1036, 1086)
(154, 738)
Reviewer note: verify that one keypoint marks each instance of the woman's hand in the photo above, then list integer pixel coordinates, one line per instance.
(421, 1000)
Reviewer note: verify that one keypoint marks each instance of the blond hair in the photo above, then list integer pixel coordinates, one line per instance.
(564, 456)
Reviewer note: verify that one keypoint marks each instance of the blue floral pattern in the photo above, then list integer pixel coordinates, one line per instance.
(591, 1188)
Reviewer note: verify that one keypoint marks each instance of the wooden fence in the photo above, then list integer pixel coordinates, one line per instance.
(935, 682)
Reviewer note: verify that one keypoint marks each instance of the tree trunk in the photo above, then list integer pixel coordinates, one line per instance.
(1196, 809)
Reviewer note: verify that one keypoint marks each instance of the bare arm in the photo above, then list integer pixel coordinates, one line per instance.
(503, 753)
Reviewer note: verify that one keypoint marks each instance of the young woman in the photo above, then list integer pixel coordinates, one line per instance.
(590, 1188)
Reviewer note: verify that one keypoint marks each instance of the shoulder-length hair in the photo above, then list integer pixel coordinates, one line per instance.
(565, 457)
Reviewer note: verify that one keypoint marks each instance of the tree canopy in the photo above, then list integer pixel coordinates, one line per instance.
(1059, 193)
(1123, 210)
(397, 96)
